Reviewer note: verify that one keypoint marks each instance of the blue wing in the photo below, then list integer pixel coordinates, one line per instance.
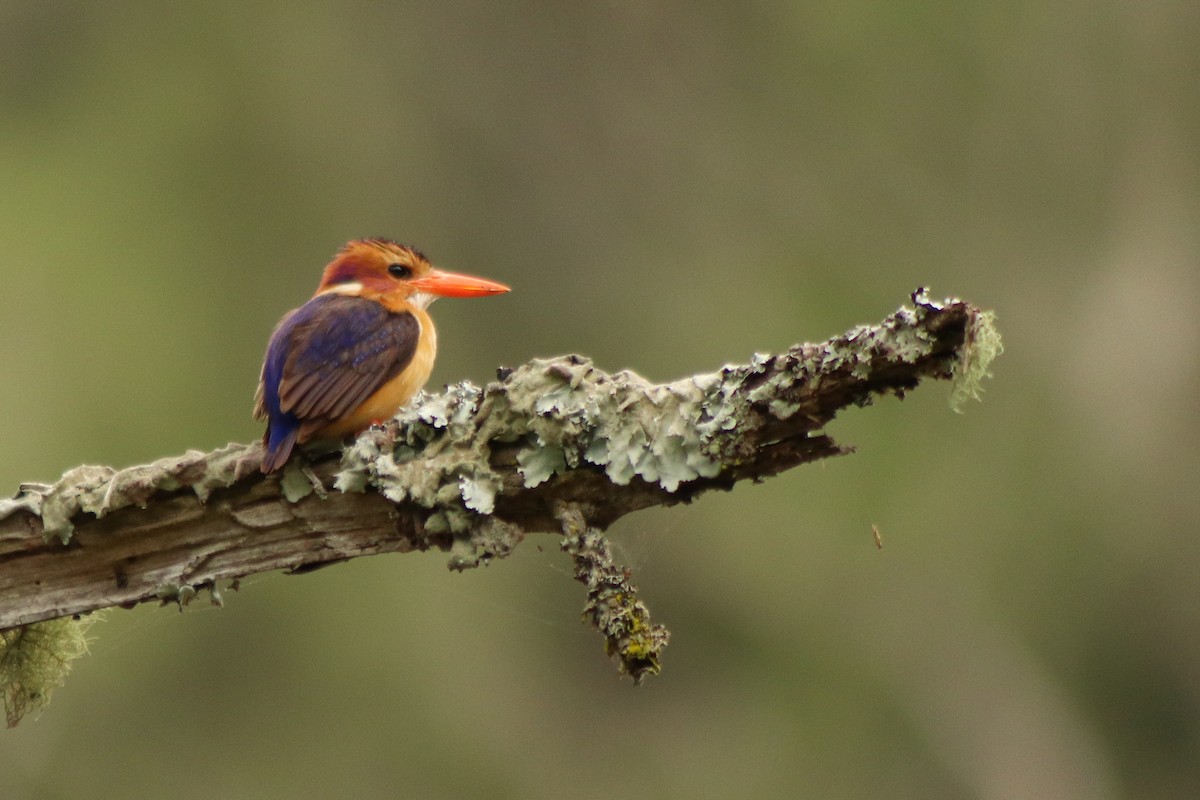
(324, 360)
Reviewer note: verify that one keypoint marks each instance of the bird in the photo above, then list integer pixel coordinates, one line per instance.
(356, 352)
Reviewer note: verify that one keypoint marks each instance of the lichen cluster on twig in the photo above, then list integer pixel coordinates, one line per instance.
(612, 606)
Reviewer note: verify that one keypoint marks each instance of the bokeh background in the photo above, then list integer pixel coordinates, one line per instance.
(668, 187)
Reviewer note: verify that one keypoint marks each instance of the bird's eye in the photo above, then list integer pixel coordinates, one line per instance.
(400, 271)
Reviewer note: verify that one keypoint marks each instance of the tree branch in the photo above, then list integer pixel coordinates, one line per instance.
(469, 470)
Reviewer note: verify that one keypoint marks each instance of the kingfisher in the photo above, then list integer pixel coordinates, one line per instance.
(358, 350)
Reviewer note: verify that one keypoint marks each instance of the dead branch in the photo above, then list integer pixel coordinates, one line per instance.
(470, 470)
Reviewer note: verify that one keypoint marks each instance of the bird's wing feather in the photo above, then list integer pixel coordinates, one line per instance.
(336, 351)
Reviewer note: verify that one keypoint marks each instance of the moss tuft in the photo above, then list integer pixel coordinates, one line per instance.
(35, 660)
(975, 359)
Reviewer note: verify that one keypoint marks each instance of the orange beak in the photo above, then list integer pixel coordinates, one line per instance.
(453, 284)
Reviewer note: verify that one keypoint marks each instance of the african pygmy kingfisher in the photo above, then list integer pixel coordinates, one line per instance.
(358, 350)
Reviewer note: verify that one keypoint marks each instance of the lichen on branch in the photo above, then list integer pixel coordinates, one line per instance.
(471, 470)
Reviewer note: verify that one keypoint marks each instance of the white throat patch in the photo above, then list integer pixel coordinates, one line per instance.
(422, 299)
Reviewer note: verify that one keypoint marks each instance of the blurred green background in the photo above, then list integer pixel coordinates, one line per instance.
(667, 187)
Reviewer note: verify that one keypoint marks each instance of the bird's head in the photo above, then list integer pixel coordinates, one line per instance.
(392, 273)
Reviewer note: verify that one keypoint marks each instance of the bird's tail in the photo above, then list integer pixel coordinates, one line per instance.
(278, 441)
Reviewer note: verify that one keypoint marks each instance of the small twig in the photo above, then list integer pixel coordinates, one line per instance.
(612, 606)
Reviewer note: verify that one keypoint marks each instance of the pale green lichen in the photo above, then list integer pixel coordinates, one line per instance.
(975, 359)
(478, 492)
(566, 413)
(293, 483)
(181, 594)
(576, 413)
(449, 520)
(724, 405)
(563, 412)
(35, 660)
(538, 464)
(490, 539)
(434, 456)
(101, 490)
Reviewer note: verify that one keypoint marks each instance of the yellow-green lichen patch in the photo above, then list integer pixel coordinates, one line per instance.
(612, 605)
(975, 359)
(35, 660)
